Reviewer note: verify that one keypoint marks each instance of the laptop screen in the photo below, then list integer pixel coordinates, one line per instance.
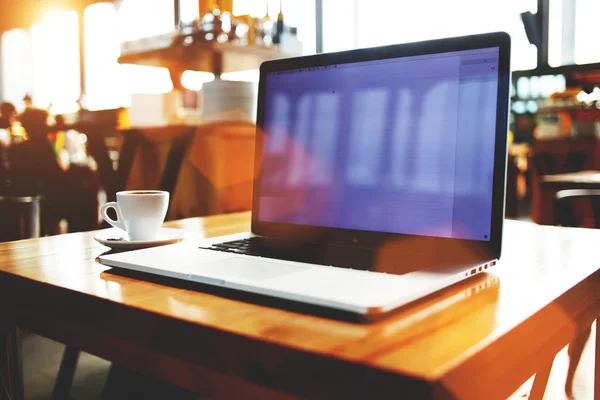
(400, 145)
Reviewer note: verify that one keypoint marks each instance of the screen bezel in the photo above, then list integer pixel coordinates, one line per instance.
(359, 238)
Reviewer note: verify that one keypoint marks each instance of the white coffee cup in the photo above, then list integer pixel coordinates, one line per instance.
(140, 213)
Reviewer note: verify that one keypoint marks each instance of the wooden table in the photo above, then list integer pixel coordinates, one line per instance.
(551, 184)
(480, 339)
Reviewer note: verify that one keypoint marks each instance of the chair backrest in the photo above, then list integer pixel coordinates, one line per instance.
(565, 207)
(177, 153)
(33, 168)
(575, 162)
(114, 181)
(548, 163)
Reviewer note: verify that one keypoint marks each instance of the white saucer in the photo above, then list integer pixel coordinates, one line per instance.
(117, 239)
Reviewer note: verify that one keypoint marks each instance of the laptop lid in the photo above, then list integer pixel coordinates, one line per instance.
(402, 144)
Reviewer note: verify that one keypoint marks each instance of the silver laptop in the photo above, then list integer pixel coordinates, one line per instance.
(379, 179)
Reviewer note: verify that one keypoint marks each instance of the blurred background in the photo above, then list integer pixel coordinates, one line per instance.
(130, 86)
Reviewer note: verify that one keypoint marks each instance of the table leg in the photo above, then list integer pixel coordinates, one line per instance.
(597, 365)
(541, 381)
(66, 373)
(11, 364)
(576, 348)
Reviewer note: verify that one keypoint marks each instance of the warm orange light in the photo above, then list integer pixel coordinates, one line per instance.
(55, 45)
(142, 18)
(104, 77)
(108, 84)
(193, 80)
(251, 75)
(16, 68)
(51, 14)
(147, 80)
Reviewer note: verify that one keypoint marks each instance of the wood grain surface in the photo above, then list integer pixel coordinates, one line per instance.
(481, 338)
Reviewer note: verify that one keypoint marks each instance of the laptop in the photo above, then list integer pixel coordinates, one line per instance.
(379, 179)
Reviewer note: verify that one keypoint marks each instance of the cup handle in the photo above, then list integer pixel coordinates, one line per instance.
(119, 222)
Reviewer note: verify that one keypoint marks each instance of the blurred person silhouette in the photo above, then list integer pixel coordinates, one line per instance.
(8, 115)
(69, 193)
(57, 137)
(28, 102)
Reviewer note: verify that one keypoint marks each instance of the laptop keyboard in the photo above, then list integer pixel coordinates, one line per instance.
(244, 246)
(306, 253)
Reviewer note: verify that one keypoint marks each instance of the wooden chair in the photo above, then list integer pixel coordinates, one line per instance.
(545, 163)
(565, 215)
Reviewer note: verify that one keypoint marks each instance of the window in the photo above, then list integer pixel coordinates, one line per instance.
(56, 73)
(139, 19)
(380, 22)
(104, 78)
(556, 55)
(145, 18)
(573, 32)
(188, 10)
(16, 66)
(109, 84)
(43, 63)
(586, 31)
(340, 25)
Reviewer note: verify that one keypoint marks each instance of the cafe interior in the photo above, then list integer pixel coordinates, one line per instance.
(102, 97)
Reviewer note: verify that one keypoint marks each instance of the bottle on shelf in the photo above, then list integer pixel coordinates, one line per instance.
(252, 35)
(280, 24)
(264, 30)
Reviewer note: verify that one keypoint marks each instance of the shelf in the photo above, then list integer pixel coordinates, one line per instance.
(207, 56)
